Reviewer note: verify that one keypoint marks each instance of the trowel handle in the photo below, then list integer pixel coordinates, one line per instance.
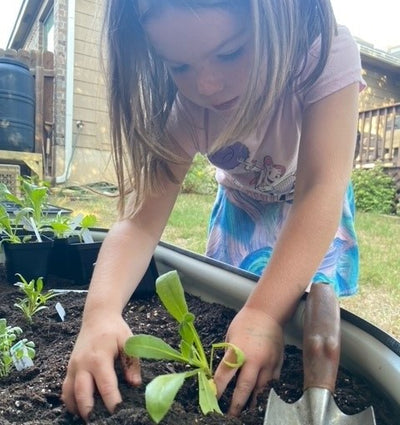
(321, 337)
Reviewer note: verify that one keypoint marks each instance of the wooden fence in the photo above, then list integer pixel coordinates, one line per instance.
(41, 65)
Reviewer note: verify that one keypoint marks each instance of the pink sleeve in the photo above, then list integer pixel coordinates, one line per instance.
(342, 68)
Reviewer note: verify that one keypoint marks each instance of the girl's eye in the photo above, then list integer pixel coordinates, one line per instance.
(228, 57)
(179, 69)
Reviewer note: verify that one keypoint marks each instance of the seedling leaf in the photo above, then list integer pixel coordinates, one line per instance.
(88, 221)
(240, 358)
(207, 394)
(161, 392)
(188, 338)
(151, 347)
(171, 294)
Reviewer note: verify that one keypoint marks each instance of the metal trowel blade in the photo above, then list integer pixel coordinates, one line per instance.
(316, 407)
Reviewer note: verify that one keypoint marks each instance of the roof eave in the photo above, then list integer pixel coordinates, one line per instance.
(23, 24)
(380, 59)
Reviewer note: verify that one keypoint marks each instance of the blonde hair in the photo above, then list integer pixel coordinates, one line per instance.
(141, 91)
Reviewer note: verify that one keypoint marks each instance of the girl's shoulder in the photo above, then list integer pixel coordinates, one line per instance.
(341, 39)
(343, 66)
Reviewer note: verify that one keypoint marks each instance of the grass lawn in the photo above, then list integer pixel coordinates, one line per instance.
(379, 236)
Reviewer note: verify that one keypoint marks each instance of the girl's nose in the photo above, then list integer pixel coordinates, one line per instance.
(209, 82)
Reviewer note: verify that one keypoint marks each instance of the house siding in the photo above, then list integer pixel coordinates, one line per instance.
(92, 147)
(91, 160)
(34, 41)
(383, 87)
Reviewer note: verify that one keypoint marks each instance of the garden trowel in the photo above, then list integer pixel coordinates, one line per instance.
(321, 352)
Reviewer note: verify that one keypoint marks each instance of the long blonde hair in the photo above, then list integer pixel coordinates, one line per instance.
(141, 91)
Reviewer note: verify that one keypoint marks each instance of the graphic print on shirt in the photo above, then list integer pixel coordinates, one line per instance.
(270, 177)
(230, 157)
(266, 177)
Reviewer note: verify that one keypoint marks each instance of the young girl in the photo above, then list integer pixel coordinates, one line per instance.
(269, 91)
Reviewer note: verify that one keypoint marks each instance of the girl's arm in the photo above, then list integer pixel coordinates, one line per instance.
(124, 256)
(127, 250)
(324, 168)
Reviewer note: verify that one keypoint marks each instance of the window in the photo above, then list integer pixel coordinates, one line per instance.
(48, 32)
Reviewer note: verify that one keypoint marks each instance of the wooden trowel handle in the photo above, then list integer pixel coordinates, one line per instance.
(321, 338)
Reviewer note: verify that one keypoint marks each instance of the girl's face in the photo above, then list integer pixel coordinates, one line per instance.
(208, 52)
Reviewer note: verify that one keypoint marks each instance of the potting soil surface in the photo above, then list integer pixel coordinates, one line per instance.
(32, 396)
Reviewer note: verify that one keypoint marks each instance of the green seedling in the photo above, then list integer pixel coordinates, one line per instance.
(29, 213)
(34, 300)
(61, 226)
(9, 226)
(8, 336)
(87, 222)
(161, 391)
(65, 226)
(33, 200)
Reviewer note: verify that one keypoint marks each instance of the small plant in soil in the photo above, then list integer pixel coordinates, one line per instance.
(161, 391)
(31, 213)
(35, 299)
(10, 353)
(64, 226)
(33, 200)
(87, 222)
(9, 226)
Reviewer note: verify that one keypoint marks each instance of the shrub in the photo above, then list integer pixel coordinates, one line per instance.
(374, 190)
(201, 177)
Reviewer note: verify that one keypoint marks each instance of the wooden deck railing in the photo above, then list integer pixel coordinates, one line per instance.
(379, 137)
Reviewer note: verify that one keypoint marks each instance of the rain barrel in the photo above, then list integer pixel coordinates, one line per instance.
(17, 106)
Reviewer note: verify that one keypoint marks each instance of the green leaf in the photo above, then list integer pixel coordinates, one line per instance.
(3, 325)
(88, 221)
(38, 196)
(188, 338)
(207, 394)
(6, 195)
(39, 285)
(170, 291)
(151, 347)
(161, 392)
(240, 357)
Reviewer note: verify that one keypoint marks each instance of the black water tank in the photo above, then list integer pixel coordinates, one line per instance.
(17, 106)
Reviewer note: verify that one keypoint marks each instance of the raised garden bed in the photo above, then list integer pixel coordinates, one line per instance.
(32, 396)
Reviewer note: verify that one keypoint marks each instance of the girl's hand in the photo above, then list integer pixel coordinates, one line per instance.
(261, 339)
(91, 365)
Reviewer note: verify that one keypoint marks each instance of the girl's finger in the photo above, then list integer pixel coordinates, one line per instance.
(244, 387)
(131, 367)
(83, 393)
(264, 377)
(68, 397)
(224, 373)
(107, 385)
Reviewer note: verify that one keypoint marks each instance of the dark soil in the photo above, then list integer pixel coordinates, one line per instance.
(33, 395)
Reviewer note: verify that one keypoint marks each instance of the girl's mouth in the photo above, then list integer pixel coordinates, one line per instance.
(226, 105)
